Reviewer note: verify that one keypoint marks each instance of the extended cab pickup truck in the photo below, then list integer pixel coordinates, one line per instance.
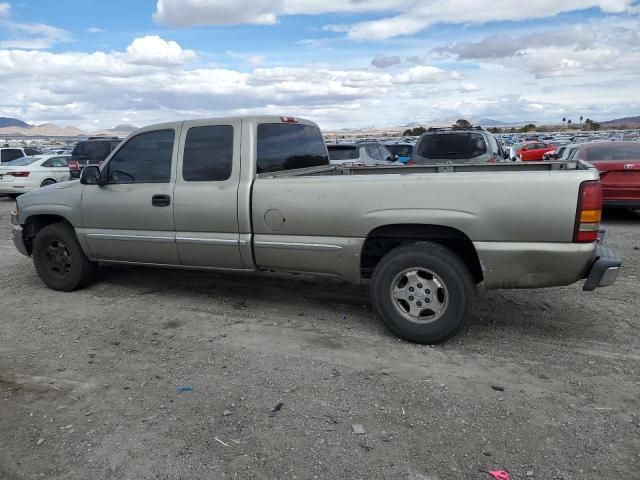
(258, 193)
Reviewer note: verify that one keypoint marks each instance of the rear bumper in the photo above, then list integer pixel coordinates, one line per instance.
(604, 270)
(17, 233)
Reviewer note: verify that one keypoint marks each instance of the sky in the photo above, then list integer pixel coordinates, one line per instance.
(342, 63)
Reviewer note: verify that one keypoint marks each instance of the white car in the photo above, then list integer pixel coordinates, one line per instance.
(30, 173)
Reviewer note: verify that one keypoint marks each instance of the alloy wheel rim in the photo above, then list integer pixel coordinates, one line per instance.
(419, 295)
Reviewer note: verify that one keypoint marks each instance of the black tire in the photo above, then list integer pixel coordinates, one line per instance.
(59, 259)
(13, 196)
(452, 296)
(48, 181)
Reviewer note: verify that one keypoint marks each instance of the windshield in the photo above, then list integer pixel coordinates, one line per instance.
(21, 162)
(342, 153)
(602, 153)
(452, 146)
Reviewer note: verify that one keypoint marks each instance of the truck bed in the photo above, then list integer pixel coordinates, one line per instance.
(442, 168)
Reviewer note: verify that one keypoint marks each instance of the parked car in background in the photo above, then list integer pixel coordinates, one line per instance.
(92, 151)
(533, 151)
(360, 154)
(619, 166)
(402, 151)
(30, 173)
(8, 154)
(452, 145)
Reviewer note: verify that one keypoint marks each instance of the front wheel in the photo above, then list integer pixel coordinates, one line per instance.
(423, 292)
(59, 259)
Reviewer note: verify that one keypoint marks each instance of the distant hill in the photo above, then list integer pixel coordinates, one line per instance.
(13, 122)
(631, 122)
(125, 127)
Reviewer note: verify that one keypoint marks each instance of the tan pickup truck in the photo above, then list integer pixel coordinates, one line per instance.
(258, 193)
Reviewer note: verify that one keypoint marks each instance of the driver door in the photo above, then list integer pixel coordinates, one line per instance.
(130, 219)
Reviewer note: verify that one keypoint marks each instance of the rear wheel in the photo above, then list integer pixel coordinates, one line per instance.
(59, 259)
(423, 292)
(13, 195)
(48, 181)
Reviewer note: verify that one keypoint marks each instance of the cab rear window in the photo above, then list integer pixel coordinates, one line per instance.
(285, 146)
(452, 146)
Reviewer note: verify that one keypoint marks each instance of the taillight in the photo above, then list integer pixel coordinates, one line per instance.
(589, 212)
(73, 165)
(288, 120)
(411, 162)
(19, 174)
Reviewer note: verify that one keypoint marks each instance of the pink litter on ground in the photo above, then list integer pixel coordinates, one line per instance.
(499, 474)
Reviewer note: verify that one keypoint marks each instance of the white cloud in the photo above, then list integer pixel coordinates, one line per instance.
(28, 35)
(95, 30)
(400, 17)
(153, 50)
(427, 74)
(610, 44)
(183, 13)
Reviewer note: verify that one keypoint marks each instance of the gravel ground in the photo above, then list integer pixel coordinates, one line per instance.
(544, 383)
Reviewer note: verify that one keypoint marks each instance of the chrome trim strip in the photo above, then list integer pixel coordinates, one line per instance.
(135, 238)
(207, 241)
(298, 246)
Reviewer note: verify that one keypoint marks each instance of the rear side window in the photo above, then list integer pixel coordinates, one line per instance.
(343, 153)
(613, 153)
(145, 158)
(400, 150)
(452, 146)
(11, 154)
(31, 151)
(285, 146)
(208, 154)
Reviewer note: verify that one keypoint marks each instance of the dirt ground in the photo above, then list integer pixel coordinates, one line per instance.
(544, 383)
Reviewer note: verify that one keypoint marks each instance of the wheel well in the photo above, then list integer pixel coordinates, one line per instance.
(36, 223)
(48, 179)
(382, 240)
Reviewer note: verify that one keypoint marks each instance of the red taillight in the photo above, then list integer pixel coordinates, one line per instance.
(19, 174)
(411, 162)
(73, 165)
(288, 120)
(589, 212)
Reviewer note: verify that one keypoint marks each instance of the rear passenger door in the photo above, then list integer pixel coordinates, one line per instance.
(206, 194)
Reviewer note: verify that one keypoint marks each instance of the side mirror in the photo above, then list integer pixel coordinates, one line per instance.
(91, 176)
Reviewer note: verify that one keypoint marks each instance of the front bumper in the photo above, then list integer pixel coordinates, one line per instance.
(604, 270)
(18, 235)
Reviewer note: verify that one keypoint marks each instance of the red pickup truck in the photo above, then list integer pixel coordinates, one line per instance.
(619, 166)
(533, 151)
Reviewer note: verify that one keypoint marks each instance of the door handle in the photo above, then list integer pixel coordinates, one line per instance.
(161, 200)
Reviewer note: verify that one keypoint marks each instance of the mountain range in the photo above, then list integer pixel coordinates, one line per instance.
(13, 126)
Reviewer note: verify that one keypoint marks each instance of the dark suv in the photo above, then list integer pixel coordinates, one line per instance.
(455, 145)
(91, 152)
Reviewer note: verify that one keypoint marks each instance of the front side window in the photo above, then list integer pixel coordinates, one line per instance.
(145, 158)
(613, 152)
(208, 154)
(286, 146)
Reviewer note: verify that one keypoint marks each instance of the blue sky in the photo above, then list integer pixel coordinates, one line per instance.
(344, 63)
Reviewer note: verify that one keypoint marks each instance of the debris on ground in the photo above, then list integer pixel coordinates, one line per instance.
(221, 442)
(185, 389)
(226, 413)
(276, 409)
(497, 388)
(358, 429)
